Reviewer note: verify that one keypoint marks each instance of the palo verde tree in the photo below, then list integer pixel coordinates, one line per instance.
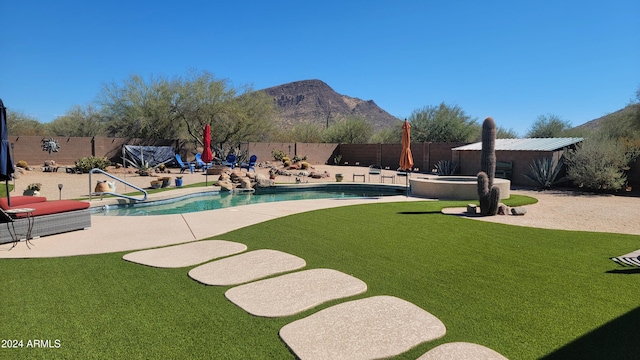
(160, 108)
(79, 122)
(139, 108)
(349, 131)
(442, 123)
(548, 126)
(18, 123)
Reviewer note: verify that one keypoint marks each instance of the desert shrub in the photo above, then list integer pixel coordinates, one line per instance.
(286, 162)
(545, 172)
(22, 164)
(85, 164)
(286, 159)
(304, 165)
(599, 164)
(278, 155)
(297, 158)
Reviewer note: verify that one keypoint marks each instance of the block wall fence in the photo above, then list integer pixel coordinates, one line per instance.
(425, 155)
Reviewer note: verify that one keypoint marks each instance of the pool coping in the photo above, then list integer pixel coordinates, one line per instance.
(174, 195)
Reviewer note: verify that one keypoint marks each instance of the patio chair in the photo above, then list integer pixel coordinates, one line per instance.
(251, 164)
(183, 166)
(630, 259)
(375, 170)
(230, 161)
(201, 164)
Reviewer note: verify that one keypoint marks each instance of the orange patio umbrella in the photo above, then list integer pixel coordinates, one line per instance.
(406, 159)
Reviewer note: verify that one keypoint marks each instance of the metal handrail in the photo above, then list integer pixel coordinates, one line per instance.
(96, 170)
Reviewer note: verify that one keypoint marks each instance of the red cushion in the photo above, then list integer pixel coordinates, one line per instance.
(53, 207)
(21, 201)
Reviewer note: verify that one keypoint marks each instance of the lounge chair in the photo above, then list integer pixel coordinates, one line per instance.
(630, 259)
(230, 161)
(375, 170)
(183, 166)
(251, 164)
(47, 217)
(201, 164)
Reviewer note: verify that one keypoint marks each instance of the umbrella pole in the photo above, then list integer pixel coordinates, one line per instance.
(407, 183)
(6, 183)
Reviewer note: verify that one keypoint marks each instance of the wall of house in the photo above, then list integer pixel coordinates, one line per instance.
(469, 162)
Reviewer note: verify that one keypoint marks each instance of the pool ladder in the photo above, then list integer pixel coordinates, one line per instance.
(91, 193)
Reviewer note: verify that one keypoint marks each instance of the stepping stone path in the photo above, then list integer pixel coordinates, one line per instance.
(188, 254)
(461, 351)
(368, 328)
(246, 267)
(293, 293)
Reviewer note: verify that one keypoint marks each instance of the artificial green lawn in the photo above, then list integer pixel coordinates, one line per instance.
(526, 293)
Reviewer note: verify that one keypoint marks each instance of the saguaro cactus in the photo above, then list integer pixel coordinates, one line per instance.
(489, 195)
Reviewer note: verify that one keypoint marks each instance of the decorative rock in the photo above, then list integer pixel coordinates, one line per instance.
(472, 209)
(224, 176)
(503, 209)
(49, 163)
(225, 185)
(245, 183)
(518, 211)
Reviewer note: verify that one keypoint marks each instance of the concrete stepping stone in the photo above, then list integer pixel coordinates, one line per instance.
(188, 254)
(461, 351)
(293, 293)
(369, 328)
(246, 267)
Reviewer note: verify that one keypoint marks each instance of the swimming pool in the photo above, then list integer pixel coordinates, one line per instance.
(218, 200)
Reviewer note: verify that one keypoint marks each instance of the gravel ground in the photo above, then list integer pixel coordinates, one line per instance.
(555, 209)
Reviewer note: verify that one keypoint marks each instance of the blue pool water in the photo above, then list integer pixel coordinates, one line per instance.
(215, 200)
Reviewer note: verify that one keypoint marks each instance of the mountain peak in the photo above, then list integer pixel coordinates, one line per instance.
(316, 102)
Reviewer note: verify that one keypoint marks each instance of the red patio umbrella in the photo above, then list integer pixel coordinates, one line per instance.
(406, 159)
(207, 156)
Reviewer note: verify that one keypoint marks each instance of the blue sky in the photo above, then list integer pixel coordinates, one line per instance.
(510, 60)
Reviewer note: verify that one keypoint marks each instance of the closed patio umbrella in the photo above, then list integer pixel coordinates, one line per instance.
(6, 163)
(406, 159)
(207, 156)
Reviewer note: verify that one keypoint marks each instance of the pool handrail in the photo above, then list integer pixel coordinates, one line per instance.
(97, 170)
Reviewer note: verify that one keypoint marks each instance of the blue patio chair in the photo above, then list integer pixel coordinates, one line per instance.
(251, 164)
(183, 166)
(230, 161)
(201, 164)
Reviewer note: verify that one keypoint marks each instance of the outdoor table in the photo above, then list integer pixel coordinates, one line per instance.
(392, 177)
(12, 230)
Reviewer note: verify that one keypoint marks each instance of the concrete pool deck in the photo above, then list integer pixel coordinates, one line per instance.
(109, 234)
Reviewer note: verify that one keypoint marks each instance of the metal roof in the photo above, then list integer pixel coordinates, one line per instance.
(526, 144)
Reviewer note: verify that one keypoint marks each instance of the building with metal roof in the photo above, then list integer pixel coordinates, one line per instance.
(513, 155)
(526, 144)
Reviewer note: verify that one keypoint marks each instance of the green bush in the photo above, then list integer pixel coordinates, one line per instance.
(599, 164)
(278, 155)
(85, 164)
